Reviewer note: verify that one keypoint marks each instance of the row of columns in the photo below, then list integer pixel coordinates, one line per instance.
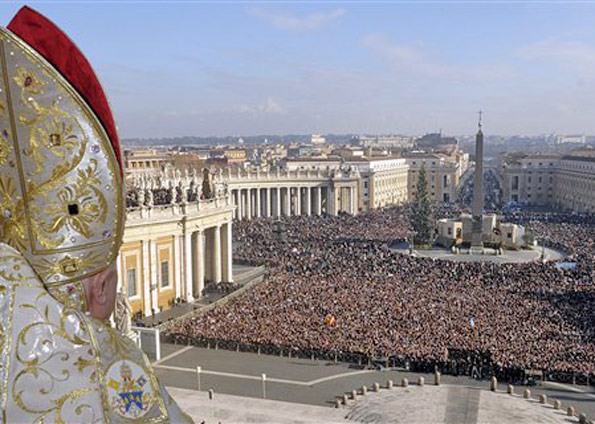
(199, 255)
(280, 201)
(208, 258)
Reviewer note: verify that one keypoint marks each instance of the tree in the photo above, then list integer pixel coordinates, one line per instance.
(421, 211)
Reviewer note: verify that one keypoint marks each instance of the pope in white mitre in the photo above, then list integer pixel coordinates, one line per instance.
(62, 217)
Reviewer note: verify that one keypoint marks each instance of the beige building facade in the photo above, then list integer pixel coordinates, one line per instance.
(563, 182)
(530, 180)
(383, 178)
(172, 250)
(145, 161)
(574, 188)
(443, 174)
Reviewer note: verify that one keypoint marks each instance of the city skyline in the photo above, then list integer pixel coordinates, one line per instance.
(201, 69)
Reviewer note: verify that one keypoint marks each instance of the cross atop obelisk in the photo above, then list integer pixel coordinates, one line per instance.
(479, 122)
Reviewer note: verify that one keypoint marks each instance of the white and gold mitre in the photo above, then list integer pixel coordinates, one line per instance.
(61, 191)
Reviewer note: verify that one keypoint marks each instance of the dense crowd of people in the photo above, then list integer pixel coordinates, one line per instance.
(334, 284)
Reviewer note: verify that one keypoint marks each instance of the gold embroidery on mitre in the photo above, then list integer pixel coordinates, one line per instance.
(65, 176)
(28, 81)
(12, 215)
(68, 265)
(77, 206)
(5, 147)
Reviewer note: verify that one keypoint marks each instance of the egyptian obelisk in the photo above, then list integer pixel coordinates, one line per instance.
(476, 237)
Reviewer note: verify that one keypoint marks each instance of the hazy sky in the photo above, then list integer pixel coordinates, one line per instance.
(238, 68)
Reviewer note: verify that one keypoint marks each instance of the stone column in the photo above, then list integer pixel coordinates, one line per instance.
(146, 281)
(318, 200)
(240, 210)
(208, 257)
(177, 266)
(308, 201)
(331, 201)
(154, 272)
(217, 254)
(258, 205)
(288, 202)
(269, 202)
(277, 202)
(188, 280)
(249, 203)
(198, 264)
(227, 253)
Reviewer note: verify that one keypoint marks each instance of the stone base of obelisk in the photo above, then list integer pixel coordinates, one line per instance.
(476, 236)
(476, 250)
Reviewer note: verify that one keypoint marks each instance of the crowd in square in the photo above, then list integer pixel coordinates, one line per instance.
(334, 284)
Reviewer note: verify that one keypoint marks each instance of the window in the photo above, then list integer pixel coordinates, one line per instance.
(165, 274)
(131, 281)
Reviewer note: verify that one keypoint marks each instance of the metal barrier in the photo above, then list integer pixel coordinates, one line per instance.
(149, 340)
(364, 360)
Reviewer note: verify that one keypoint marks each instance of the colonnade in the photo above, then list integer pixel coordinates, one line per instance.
(279, 201)
(292, 200)
(207, 257)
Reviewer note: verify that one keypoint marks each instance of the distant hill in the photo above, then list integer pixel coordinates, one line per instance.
(210, 141)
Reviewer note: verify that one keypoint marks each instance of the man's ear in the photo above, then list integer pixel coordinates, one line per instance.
(99, 287)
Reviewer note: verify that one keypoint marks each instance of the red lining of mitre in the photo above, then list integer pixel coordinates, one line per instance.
(55, 46)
